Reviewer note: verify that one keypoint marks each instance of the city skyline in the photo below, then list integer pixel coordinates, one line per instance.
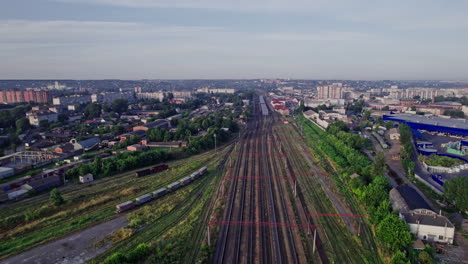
(155, 39)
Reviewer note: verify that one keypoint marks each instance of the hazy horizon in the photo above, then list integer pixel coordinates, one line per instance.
(256, 39)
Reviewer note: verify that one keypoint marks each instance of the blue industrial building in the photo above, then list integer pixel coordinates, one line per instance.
(431, 123)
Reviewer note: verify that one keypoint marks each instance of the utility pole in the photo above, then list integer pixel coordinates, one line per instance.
(214, 135)
(315, 237)
(295, 188)
(209, 239)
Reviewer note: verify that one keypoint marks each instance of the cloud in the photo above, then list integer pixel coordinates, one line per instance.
(397, 14)
(71, 31)
(320, 36)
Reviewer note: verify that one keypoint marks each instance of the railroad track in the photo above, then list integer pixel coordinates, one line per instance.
(256, 206)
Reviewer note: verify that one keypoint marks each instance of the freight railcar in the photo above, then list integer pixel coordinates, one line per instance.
(173, 186)
(160, 192)
(195, 176)
(202, 170)
(152, 170)
(124, 206)
(184, 181)
(144, 199)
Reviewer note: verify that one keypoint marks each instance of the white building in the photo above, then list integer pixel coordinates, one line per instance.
(86, 178)
(151, 95)
(423, 222)
(215, 90)
(110, 97)
(72, 100)
(35, 117)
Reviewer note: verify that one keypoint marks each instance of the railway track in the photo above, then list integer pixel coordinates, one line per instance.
(258, 223)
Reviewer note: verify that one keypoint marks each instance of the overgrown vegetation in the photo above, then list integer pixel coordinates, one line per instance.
(442, 161)
(407, 150)
(456, 192)
(371, 186)
(123, 161)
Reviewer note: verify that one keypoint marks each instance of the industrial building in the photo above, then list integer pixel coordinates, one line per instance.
(431, 123)
(423, 222)
(87, 144)
(162, 123)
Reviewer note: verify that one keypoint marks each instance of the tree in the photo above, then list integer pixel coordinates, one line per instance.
(62, 118)
(22, 125)
(379, 165)
(44, 123)
(367, 114)
(425, 258)
(456, 190)
(56, 197)
(393, 233)
(399, 258)
(92, 110)
(120, 105)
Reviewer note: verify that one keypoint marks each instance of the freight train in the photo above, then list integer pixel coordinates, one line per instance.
(160, 192)
(152, 170)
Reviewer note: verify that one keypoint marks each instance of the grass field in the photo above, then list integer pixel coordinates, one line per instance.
(35, 221)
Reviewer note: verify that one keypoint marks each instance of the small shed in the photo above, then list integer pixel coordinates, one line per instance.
(86, 178)
(6, 172)
(135, 147)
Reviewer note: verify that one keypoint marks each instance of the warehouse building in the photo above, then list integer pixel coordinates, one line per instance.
(423, 222)
(162, 123)
(86, 145)
(431, 123)
(43, 184)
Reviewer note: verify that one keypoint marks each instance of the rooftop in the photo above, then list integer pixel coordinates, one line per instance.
(430, 120)
(433, 220)
(412, 198)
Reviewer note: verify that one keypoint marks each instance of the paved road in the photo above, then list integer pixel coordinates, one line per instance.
(76, 248)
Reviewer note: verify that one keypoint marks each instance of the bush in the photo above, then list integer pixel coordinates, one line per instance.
(116, 258)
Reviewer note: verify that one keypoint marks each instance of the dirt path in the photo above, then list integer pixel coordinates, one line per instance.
(76, 248)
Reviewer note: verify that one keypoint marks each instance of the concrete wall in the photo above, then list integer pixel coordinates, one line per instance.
(427, 184)
(432, 233)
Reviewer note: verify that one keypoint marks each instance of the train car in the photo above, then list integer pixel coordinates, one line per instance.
(186, 180)
(202, 170)
(124, 206)
(173, 186)
(195, 175)
(438, 178)
(159, 168)
(144, 199)
(142, 172)
(160, 192)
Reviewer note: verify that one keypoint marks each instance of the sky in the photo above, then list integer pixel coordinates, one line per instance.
(234, 39)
